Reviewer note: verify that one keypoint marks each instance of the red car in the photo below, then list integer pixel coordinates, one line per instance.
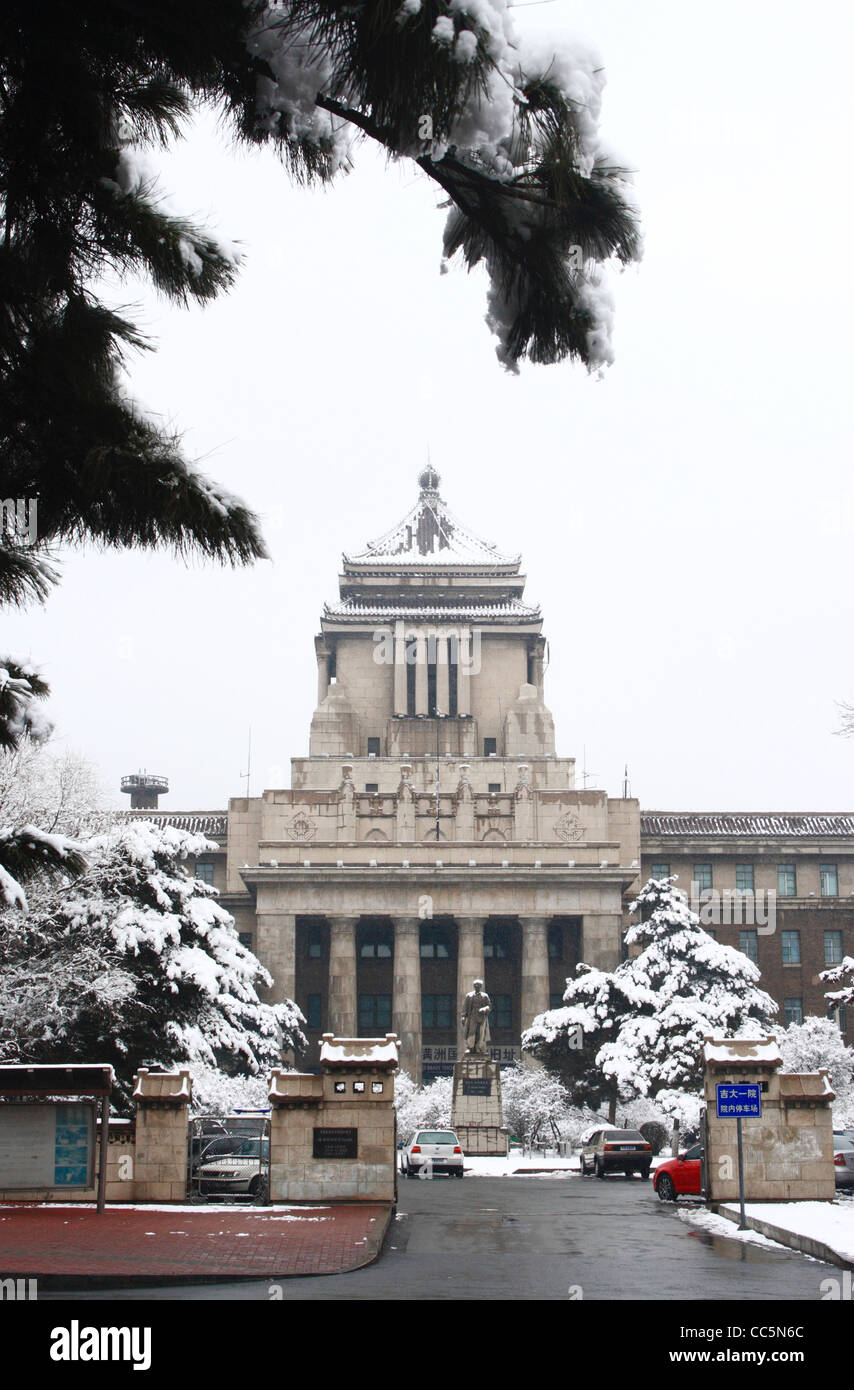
(679, 1177)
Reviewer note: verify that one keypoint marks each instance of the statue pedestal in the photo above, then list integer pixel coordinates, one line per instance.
(476, 1116)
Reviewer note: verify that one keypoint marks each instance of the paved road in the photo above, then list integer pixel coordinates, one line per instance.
(533, 1238)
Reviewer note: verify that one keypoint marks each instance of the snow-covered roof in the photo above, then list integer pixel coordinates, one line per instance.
(806, 1085)
(197, 822)
(351, 609)
(163, 1087)
(430, 534)
(745, 823)
(741, 1052)
(359, 1052)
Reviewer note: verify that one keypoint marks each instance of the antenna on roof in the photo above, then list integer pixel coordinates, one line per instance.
(248, 773)
(627, 786)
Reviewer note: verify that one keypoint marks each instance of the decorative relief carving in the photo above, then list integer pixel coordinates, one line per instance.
(569, 827)
(301, 827)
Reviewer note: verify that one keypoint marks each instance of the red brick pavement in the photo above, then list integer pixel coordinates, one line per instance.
(185, 1244)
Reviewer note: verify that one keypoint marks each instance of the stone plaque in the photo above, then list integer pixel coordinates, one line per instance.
(477, 1086)
(332, 1142)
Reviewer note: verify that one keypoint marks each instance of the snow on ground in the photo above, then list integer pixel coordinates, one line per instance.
(830, 1222)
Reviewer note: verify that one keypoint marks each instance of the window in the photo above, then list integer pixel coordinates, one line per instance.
(313, 1015)
(791, 947)
(314, 943)
(832, 947)
(793, 1010)
(702, 876)
(786, 881)
(373, 748)
(744, 879)
(494, 788)
(556, 941)
(829, 880)
(205, 872)
(748, 944)
(435, 943)
(502, 1011)
(495, 943)
(659, 871)
(374, 1012)
(436, 1010)
(375, 943)
(245, 939)
(490, 747)
(555, 1001)
(372, 786)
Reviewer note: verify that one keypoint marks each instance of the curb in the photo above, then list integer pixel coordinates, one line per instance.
(804, 1244)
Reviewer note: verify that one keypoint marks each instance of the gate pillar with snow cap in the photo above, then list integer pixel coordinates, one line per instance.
(788, 1146)
(332, 1136)
(162, 1104)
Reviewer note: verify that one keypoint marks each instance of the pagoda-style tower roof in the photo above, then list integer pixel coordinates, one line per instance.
(431, 567)
(430, 534)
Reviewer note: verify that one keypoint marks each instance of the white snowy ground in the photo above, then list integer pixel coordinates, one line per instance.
(830, 1222)
(516, 1163)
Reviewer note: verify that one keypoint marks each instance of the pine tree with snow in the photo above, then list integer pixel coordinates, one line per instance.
(506, 125)
(27, 850)
(657, 1006)
(136, 964)
(568, 1040)
(841, 977)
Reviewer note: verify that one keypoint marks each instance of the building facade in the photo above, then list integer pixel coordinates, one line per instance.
(433, 835)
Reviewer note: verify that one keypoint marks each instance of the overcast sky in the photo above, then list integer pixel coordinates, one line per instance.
(685, 523)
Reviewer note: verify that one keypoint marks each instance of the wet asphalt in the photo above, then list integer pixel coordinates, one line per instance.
(537, 1238)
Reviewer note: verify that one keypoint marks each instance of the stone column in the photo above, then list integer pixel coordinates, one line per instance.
(535, 968)
(601, 939)
(276, 949)
(469, 966)
(443, 691)
(342, 976)
(421, 704)
(399, 668)
(406, 997)
(322, 652)
(464, 672)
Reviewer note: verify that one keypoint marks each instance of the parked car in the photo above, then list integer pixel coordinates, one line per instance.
(843, 1161)
(235, 1165)
(433, 1151)
(616, 1151)
(679, 1177)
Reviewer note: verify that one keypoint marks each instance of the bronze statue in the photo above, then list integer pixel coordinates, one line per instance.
(476, 1009)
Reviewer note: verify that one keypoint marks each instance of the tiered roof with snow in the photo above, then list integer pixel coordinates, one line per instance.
(432, 567)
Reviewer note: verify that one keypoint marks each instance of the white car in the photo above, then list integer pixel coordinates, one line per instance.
(238, 1164)
(432, 1151)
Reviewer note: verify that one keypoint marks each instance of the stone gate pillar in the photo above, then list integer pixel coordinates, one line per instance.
(160, 1150)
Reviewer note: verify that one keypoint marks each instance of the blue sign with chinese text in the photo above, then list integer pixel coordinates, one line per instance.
(739, 1100)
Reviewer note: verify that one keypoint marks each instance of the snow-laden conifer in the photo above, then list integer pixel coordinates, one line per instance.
(136, 963)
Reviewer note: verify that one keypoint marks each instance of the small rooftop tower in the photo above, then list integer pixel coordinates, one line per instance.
(144, 788)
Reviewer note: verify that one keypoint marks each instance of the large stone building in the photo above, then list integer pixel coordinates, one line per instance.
(433, 835)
